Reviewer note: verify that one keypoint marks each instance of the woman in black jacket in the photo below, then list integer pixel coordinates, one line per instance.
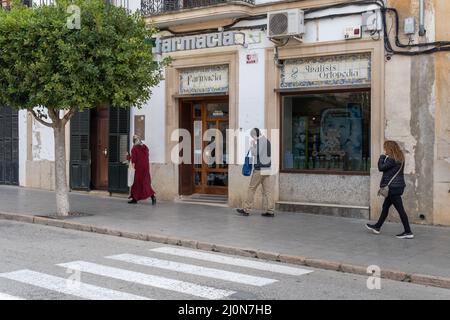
(391, 163)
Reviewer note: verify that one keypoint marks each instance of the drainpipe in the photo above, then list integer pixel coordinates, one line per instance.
(422, 30)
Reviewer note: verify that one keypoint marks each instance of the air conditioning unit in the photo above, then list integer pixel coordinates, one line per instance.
(285, 23)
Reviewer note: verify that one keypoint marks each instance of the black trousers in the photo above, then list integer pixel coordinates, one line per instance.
(396, 200)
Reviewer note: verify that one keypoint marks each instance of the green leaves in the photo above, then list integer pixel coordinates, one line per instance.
(43, 62)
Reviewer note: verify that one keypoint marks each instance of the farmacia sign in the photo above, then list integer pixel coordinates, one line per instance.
(202, 41)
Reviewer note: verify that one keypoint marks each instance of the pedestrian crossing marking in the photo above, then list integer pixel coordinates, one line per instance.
(193, 269)
(149, 280)
(4, 296)
(62, 285)
(263, 266)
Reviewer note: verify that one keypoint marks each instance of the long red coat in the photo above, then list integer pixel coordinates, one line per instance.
(142, 185)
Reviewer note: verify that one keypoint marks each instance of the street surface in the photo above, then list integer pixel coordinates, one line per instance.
(40, 262)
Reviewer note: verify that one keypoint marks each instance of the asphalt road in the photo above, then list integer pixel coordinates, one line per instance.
(45, 263)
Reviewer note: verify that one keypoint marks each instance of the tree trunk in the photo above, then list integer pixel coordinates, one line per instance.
(62, 196)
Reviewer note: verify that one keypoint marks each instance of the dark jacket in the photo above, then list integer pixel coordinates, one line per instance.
(262, 153)
(390, 167)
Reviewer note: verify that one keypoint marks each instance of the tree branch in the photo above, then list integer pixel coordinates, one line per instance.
(47, 124)
(69, 115)
(54, 115)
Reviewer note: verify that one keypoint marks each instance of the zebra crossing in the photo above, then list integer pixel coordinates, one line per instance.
(4, 296)
(107, 273)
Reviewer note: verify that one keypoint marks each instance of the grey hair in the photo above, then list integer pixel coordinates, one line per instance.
(137, 140)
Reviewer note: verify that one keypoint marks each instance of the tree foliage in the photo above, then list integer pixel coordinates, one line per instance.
(44, 63)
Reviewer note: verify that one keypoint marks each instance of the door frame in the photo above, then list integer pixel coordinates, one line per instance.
(185, 168)
(117, 180)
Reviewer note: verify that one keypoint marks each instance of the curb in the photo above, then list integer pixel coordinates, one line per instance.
(396, 275)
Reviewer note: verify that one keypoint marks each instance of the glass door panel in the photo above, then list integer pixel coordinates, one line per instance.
(198, 137)
(217, 110)
(217, 179)
(223, 126)
(210, 122)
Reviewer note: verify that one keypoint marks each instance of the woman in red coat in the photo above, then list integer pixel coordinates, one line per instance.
(142, 184)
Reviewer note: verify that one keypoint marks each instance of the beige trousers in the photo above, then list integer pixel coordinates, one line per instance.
(256, 179)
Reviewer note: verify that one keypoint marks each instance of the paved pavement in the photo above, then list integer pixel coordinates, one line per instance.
(40, 262)
(321, 237)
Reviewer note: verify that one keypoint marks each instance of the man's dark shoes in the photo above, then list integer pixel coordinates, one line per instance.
(132, 201)
(268, 214)
(242, 212)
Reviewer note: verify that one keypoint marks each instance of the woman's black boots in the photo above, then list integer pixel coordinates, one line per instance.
(153, 200)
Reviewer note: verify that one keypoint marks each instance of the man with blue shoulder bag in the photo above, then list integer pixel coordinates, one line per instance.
(260, 174)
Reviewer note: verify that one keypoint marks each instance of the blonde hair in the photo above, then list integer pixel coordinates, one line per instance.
(394, 151)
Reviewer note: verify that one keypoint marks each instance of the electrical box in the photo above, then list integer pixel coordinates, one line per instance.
(353, 32)
(371, 21)
(410, 25)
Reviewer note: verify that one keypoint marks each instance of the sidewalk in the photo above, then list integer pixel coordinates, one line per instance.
(336, 239)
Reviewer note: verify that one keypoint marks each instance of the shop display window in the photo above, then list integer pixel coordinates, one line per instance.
(326, 132)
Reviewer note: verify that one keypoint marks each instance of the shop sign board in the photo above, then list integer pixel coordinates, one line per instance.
(205, 41)
(202, 41)
(342, 70)
(201, 80)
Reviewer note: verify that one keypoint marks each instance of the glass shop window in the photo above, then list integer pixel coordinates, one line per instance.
(326, 132)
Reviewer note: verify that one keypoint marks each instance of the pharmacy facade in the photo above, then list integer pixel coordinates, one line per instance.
(327, 99)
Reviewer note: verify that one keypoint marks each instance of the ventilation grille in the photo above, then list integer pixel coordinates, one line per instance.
(278, 24)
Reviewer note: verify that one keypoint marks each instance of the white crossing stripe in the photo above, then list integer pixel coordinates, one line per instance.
(193, 269)
(66, 286)
(149, 280)
(271, 267)
(4, 296)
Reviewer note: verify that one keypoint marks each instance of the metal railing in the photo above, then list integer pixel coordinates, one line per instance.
(155, 7)
(29, 3)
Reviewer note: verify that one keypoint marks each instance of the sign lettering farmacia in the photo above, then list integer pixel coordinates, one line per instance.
(202, 41)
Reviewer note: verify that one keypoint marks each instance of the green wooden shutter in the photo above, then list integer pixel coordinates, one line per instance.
(119, 141)
(80, 153)
(9, 146)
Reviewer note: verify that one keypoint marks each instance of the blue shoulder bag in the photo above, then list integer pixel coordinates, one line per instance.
(247, 168)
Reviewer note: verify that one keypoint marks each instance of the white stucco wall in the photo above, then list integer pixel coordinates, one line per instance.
(251, 86)
(155, 119)
(42, 143)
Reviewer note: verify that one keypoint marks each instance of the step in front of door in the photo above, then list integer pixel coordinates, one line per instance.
(205, 199)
